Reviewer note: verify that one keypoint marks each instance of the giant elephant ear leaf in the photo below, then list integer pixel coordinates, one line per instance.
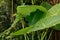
(51, 18)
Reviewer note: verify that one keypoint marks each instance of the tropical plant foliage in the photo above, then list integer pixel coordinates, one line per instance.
(40, 20)
(33, 20)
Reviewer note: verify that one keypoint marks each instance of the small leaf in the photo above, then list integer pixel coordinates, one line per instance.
(57, 27)
(46, 5)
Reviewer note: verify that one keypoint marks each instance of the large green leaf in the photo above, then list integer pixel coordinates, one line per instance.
(31, 13)
(29, 9)
(23, 11)
(51, 18)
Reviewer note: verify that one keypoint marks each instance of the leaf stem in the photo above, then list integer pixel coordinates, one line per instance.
(32, 2)
(23, 24)
(44, 34)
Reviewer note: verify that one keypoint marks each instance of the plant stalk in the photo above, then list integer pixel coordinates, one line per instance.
(23, 24)
(32, 2)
